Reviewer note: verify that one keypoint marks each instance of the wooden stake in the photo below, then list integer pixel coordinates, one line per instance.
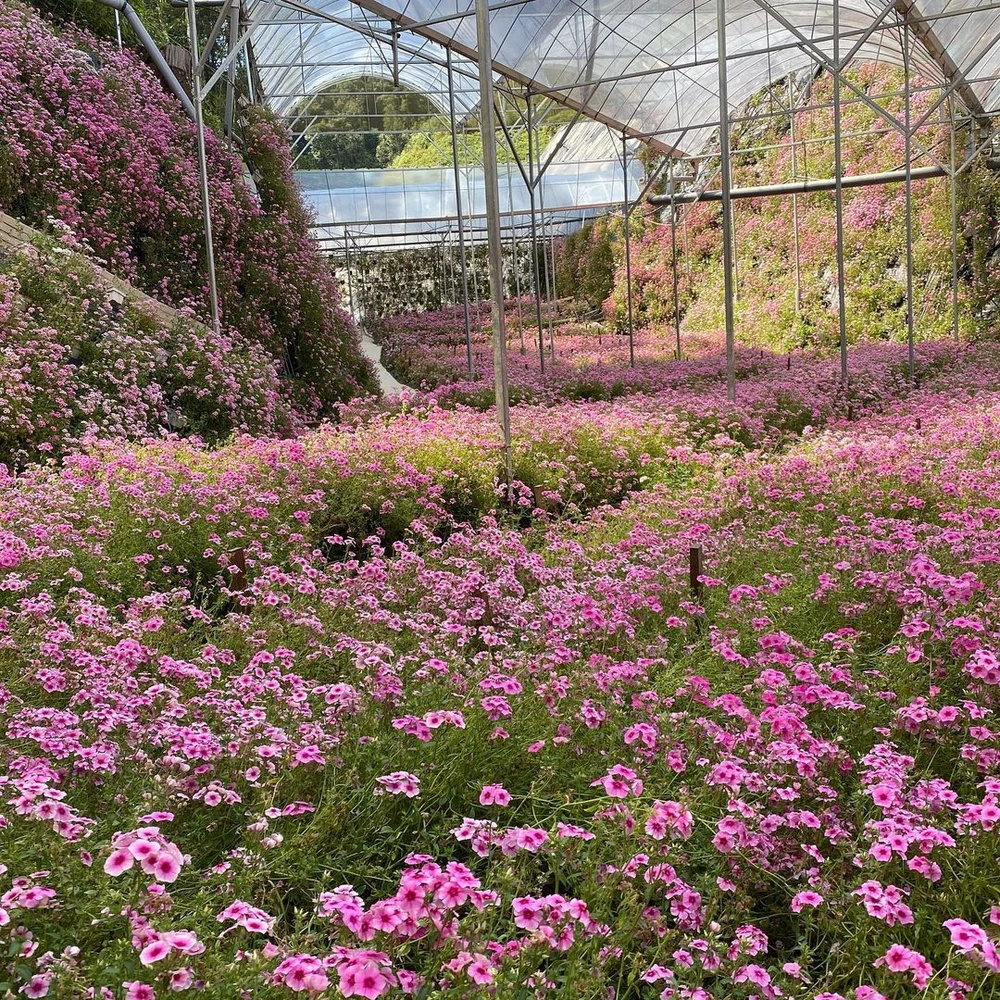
(695, 571)
(238, 566)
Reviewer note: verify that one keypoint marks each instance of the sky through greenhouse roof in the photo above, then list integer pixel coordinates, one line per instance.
(649, 66)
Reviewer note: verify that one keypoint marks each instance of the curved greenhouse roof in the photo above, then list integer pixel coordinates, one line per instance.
(649, 67)
(302, 49)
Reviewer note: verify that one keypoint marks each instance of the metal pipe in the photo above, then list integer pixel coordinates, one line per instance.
(838, 195)
(800, 187)
(545, 268)
(458, 212)
(727, 235)
(907, 136)
(155, 56)
(534, 239)
(488, 130)
(673, 266)
(736, 254)
(234, 31)
(213, 292)
(795, 198)
(513, 260)
(347, 273)
(954, 228)
(199, 66)
(626, 211)
(832, 66)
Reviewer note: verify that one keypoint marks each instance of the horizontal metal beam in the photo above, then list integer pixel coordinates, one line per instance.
(799, 187)
(467, 216)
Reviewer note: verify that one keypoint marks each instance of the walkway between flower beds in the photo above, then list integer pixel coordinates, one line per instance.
(387, 382)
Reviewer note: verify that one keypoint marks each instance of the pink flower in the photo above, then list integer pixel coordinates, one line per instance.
(166, 867)
(755, 974)
(138, 991)
(401, 783)
(807, 898)
(964, 935)
(155, 951)
(184, 941)
(143, 850)
(302, 973)
(897, 958)
(181, 979)
(362, 980)
(118, 862)
(494, 795)
(480, 970)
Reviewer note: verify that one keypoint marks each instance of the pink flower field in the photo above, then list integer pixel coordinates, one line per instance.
(333, 716)
(299, 695)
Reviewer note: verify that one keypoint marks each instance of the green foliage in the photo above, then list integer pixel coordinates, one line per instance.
(586, 264)
(74, 364)
(352, 124)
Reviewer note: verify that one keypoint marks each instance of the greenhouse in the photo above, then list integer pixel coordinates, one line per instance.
(499, 499)
(659, 74)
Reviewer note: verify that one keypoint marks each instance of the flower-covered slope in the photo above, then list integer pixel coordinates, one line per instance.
(75, 365)
(89, 136)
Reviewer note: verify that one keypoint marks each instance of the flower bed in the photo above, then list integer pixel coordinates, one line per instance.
(511, 763)
(75, 366)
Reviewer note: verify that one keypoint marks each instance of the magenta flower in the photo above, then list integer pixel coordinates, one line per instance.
(119, 861)
(155, 951)
(803, 899)
(494, 795)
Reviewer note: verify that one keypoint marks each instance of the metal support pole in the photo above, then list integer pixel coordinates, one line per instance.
(487, 127)
(673, 265)
(726, 183)
(475, 276)
(795, 199)
(553, 301)
(626, 211)
(838, 195)
(534, 234)
(451, 271)
(347, 272)
(458, 213)
(234, 31)
(199, 125)
(545, 267)
(736, 256)
(442, 281)
(954, 227)
(907, 153)
(118, 29)
(513, 261)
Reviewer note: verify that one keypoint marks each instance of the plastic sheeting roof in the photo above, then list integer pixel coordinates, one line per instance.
(649, 66)
(393, 208)
(298, 54)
